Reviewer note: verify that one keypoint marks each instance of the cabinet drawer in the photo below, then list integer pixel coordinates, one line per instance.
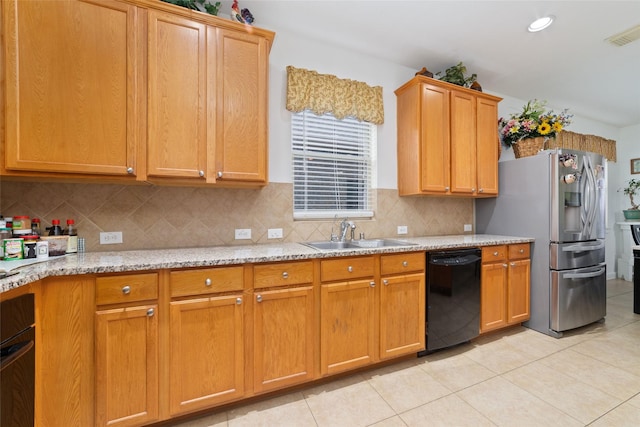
(206, 281)
(346, 268)
(402, 263)
(519, 251)
(494, 253)
(282, 274)
(126, 288)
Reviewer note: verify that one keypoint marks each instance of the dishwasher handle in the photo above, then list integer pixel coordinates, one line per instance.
(455, 260)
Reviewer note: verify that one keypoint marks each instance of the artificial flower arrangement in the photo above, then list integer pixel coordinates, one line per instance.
(532, 122)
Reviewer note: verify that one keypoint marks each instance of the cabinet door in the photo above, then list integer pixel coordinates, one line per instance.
(284, 331)
(493, 296)
(434, 153)
(207, 352)
(177, 145)
(241, 87)
(71, 101)
(402, 315)
(126, 366)
(347, 326)
(487, 147)
(519, 291)
(463, 143)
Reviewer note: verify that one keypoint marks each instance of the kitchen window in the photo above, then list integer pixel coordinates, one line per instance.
(333, 160)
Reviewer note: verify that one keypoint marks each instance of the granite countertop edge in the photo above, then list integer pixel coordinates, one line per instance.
(156, 259)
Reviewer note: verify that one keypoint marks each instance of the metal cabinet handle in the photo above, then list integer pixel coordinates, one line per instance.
(481, 190)
(201, 173)
(495, 254)
(513, 264)
(285, 275)
(372, 284)
(130, 171)
(446, 188)
(126, 290)
(473, 190)
(150, 312)
(259, 298)
(350, 269)
(405, 264)
(505, 265)
(219, 174)
(385, 282)
(207, 282)
(238, 301)
(521, 251)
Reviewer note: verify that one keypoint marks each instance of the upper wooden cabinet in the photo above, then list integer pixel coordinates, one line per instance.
(447, 140)
(71, 101)
(138, 90)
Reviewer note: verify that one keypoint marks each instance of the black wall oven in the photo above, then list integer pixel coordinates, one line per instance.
(17, 361)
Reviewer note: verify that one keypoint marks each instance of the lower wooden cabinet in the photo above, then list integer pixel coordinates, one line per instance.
(207, 332)
(284, 331)
(127, 366)
(207, 352)
(126, 350)
(505, 286)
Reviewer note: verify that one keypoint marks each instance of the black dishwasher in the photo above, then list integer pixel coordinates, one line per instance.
(453, 297)
(17, 361)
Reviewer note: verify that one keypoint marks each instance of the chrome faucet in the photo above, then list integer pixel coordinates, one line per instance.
(345, 226)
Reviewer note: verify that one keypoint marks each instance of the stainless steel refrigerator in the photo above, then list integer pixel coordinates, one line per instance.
(557, 197)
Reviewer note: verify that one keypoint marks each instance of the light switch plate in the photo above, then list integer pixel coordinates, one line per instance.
(468, 227)
(274, 233)
(243, 233)
(402, 229)
(110, 237)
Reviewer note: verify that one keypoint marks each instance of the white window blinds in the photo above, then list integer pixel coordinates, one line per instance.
(332, 166)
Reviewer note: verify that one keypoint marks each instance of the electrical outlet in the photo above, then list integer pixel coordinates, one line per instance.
(468, 227)
(243, 233)
(274, 233)
(110, 237)
(402, 229)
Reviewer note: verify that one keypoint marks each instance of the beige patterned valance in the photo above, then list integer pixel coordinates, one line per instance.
(325, 93)
(578, 141)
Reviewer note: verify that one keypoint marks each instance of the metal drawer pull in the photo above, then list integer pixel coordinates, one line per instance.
(495, 254)
(130, 171)
(126, 290)
(150, 312)
(258, 298)
(285, 275)
(521, 251)
(238, 301)
(385, 282)
(405, 264)
(372, 284)
(201, 173)
(513, 264)
(505, 265)
(350, 269)
(207, 282)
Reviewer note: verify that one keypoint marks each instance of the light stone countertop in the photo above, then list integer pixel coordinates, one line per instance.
(114, 262)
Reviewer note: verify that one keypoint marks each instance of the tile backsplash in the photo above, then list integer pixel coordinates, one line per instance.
(152, 217)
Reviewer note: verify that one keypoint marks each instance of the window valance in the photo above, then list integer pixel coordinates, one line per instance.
(325, 93)
(578, 141)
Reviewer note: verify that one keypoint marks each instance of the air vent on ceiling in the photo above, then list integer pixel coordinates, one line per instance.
(625, 37)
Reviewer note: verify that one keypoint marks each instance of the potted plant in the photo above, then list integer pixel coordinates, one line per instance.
(456, 75)
(632, 189)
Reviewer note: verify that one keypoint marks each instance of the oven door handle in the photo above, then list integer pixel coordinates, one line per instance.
(14, 352)
(583, 275)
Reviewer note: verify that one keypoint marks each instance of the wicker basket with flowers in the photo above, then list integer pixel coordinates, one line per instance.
(528, 131)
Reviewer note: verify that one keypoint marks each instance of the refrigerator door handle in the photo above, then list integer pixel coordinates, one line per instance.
(583, 248)
(583, 275)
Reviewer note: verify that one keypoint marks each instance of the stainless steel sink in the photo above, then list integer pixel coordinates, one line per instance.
(357, 244)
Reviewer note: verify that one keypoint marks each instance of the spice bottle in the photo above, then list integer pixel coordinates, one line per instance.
(72, 232)
(35, 227)
(55, 229)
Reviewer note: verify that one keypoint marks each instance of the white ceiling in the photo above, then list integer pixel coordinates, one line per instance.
(569, 64)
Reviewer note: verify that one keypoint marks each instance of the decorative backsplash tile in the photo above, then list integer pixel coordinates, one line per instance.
(152, 217)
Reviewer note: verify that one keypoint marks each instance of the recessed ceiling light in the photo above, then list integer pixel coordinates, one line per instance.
(540, 24)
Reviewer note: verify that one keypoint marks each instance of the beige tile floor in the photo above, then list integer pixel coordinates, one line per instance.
(517, 377)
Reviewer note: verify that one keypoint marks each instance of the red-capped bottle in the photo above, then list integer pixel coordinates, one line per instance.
(55, 229)
(72, 232)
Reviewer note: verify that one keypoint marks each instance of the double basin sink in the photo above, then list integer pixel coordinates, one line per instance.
(357, 244)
